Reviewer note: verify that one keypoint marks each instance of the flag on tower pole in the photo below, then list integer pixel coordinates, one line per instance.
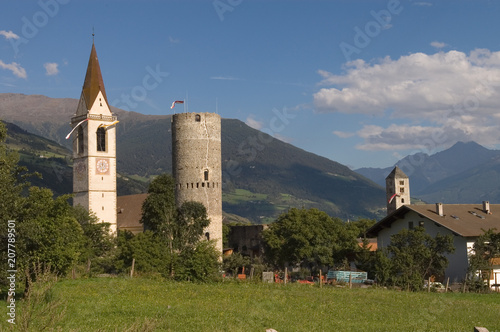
(177, 102)
(103, 125)
(72, 130)
(392, 197)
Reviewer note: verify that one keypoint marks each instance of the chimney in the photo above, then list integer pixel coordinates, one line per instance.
(486, 207)
(439, 209)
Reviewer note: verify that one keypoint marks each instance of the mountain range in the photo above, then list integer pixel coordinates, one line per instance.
(465, 173)
(262, 176)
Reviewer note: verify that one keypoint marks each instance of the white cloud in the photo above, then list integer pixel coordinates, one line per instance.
(173, 40)
(343, 134)
(51, 68)
(437, 44)
(8, 34)
(452, 95)
(15, 68)
(251, 122)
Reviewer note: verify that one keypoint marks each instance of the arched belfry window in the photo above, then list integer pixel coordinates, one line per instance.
(79, 141)
(101, 139)
(197, 118)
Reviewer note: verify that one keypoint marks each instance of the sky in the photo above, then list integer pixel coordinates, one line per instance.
(363, 83)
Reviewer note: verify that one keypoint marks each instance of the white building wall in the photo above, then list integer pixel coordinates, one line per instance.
(457, 261)
(95, 189)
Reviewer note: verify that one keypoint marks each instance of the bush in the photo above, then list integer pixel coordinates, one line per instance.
(199, 264)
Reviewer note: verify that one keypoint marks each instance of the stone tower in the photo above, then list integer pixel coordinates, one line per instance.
(94, 148)
(196, 165)
(397, 188)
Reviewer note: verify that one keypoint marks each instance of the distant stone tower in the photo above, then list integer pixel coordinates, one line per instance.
(397, 186)
(196, 165)
(94, 148)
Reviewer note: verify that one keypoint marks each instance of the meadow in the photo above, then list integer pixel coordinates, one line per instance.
(142, 304)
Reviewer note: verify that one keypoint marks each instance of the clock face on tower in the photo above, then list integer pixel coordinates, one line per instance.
(102, 166)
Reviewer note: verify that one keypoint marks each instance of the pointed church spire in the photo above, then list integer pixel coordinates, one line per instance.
(93, 80)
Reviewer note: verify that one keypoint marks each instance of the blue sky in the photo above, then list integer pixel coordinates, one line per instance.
(363, 83)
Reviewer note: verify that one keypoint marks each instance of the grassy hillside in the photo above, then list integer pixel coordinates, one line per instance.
(251, 160)
(54, 163)
(124, 304)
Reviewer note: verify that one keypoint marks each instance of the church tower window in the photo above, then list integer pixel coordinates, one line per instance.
(79, 139)
(101, 139)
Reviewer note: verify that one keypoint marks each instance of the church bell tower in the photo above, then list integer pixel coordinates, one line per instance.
(397, 186)
(94, 148)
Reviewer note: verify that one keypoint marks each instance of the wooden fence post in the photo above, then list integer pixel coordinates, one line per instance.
(132, 269)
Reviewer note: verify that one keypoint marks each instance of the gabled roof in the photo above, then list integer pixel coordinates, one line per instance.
(397, 173)
(129, 209)
(467, 220)
(93, 80)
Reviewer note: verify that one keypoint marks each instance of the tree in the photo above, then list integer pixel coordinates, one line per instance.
(158, 210)
(309, 238)
(485, 249)
(98, 242)
(234, 262)
(159, 213)
(362, 225)
(48, 232)
(414, 256)
(199, 263)
(191, 219)
(180, 229)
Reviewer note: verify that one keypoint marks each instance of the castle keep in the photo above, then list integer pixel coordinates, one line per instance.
(196, 157)
(196, 165)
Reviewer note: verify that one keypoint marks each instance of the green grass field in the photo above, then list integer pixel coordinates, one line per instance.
(122, 304)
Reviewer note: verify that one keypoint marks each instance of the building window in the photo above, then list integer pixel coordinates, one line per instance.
(101, 139)
(206, 175)
(402, 190)
(79, 141)
(402, 182)
(207, 235)
(402, 200)
(421, 223)
(410, 225)
(197, 118)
